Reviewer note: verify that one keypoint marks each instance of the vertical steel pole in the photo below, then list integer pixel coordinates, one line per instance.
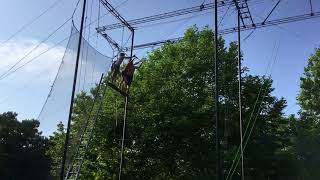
(73, 94)
(311, 9)
(216, 91)
(240, 96)
(125, 115)
(123, 136)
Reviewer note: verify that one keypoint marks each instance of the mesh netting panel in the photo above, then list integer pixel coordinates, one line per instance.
(91, 66)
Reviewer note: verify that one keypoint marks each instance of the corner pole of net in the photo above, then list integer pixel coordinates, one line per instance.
(73, 93)
(216, 92)
(240, 93)
(125, 114)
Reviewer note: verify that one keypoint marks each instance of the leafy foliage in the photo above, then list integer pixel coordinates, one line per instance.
(308, 132)
(22, 149)
(310, 84)
(55, 150)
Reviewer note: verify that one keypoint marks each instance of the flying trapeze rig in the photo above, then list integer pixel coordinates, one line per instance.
(120, 78)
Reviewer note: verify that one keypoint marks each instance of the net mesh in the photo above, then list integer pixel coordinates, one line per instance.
(92, 65)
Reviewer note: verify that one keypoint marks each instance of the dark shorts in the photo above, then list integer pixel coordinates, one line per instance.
(128, 79)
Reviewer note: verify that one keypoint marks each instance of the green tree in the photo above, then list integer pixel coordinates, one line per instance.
(22, 149)
(308, 128)
(55, 150)
(309, 97)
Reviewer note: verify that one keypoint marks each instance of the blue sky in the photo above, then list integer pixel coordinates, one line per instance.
(25, 91)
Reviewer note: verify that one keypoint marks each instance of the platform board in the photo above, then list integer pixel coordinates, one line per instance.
(117, 89)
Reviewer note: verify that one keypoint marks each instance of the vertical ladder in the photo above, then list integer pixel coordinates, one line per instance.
(244, 11)
(77, 160)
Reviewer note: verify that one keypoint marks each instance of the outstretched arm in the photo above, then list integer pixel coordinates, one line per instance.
(137, 64)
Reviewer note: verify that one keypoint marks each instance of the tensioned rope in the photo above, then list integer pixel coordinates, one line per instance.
(262, 89)
(256, 102)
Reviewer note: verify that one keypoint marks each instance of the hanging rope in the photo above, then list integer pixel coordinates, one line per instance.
(262, 91)
(123, 133)
(116, 123)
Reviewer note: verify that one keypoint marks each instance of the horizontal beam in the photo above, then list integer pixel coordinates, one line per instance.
(234, 29)
(152, 44)
(273, 22)
(166, 15)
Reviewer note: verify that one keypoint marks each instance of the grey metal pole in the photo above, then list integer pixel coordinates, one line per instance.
(240, 96)
(73, 94)
(216, 91)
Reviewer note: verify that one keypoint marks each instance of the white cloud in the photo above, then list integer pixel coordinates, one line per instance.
(47, 63)
(27, 82)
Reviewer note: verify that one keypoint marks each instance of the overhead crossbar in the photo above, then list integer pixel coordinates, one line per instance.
(141, 46)
(176, 13)
(274, 22)
(147, 19)
(234, 29)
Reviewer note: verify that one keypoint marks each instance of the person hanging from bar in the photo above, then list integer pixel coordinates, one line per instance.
(128, 72)
(115, 68)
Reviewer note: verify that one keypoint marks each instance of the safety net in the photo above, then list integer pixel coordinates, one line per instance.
(92, 65)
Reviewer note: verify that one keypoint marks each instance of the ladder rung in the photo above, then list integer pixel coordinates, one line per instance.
(72, 168)
(246, 12)
(82, 146)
